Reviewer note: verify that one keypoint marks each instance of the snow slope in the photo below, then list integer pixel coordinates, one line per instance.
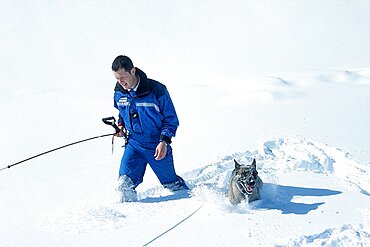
(294, 95)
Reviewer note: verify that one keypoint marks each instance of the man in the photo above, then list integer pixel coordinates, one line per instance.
(148, 117)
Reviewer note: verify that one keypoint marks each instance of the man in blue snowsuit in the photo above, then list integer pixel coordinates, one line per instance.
(148, 117)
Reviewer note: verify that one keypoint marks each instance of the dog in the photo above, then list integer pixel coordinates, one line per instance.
(245, 184)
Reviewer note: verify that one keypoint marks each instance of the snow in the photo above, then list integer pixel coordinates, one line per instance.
(284, 82)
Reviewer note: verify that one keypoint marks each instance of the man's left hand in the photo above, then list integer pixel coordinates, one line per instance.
(160, 151)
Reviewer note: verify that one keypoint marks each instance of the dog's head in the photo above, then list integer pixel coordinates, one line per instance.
(246, 177)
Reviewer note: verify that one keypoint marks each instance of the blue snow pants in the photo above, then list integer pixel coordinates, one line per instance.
(135, 159)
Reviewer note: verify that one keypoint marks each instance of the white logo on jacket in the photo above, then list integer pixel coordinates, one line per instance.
(144, 104)
(123, 102)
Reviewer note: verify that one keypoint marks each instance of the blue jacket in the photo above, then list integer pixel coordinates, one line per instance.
(149, 115)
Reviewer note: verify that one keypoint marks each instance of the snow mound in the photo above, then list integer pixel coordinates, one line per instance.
(303, 155)
(358, 76)
(210, 183)
(284, 155)
(347, 235)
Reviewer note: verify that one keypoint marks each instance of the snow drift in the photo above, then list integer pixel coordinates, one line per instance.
(309, 180)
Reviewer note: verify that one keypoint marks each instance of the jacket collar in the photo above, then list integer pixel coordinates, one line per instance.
(144, 86)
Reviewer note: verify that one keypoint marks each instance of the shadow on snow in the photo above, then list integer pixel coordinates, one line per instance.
(175, 196)
(280, 197)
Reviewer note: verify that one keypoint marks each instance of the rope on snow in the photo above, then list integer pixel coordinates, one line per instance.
(160, 235)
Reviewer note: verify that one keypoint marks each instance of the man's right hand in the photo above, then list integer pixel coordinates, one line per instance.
(122, 132)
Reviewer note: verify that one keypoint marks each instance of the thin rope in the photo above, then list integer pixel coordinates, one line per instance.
(160, 235)
(88, 139)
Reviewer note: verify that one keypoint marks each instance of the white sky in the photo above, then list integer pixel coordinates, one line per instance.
(54, 42)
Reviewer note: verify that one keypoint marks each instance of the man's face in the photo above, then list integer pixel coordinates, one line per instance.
(126, 79)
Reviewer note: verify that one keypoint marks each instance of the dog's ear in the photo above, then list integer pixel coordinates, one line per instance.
(237, 165)
(254, 163)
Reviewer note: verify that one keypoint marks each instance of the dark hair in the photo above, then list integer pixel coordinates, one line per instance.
(122, 62)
